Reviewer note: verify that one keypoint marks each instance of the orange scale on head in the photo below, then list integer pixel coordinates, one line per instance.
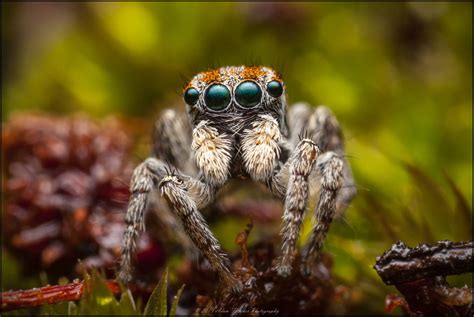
(253, 72)
(211, 76)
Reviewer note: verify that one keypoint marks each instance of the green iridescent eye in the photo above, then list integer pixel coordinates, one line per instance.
(275, 88)
(191, 96)
(248, 94)
(217, 97)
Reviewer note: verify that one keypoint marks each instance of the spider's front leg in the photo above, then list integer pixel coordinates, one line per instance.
(184, 194)
(330, 167)
(175, 190)
(324, 129)
(295, 173)
(337, 184)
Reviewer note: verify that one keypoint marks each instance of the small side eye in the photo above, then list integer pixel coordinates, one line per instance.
(275, 88)
(248, 94)
(191, 96)
(217, 97)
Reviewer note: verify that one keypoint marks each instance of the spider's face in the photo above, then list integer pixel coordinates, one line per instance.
(233, 93)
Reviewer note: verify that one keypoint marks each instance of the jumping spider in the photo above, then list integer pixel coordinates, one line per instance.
(238, 125)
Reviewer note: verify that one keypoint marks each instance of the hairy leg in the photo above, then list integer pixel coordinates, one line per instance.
(298, 115)
(172, 140)
(323, 128)
(185, 200)
(295, 174)
(144, 180)
(175, 190)
(330, 167)
(200, 193)
(329, 137)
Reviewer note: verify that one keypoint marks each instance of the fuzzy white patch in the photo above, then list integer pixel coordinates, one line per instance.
(212, 153)
(260, 147)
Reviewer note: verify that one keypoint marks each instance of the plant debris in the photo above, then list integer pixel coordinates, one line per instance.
(66, 190)
(264, 292)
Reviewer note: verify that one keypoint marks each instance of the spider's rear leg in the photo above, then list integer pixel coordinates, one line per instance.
(330, 167)
(298, 115)
(323, 128)
(172, 140)
(293, 179)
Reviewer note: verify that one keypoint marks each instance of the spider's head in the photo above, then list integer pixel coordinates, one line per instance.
(232, 95)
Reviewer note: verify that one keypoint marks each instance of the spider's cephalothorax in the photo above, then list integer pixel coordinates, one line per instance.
(238, 125)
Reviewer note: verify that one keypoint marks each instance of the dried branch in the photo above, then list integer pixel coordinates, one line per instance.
(47, 295)
(403, 264)
(419, 274)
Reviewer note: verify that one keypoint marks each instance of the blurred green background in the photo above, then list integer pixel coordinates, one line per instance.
(397, 75)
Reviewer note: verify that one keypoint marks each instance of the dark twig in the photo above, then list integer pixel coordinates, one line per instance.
(402, 264)
(419, 274)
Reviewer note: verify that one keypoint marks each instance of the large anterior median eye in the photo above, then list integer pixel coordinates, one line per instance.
(191, 96)
(248, 94)
(217, 97)
(275, 88)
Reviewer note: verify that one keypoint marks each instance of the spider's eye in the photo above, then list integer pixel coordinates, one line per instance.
(217, 97)
(248, 94)
(191, 96)
(275, 88)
